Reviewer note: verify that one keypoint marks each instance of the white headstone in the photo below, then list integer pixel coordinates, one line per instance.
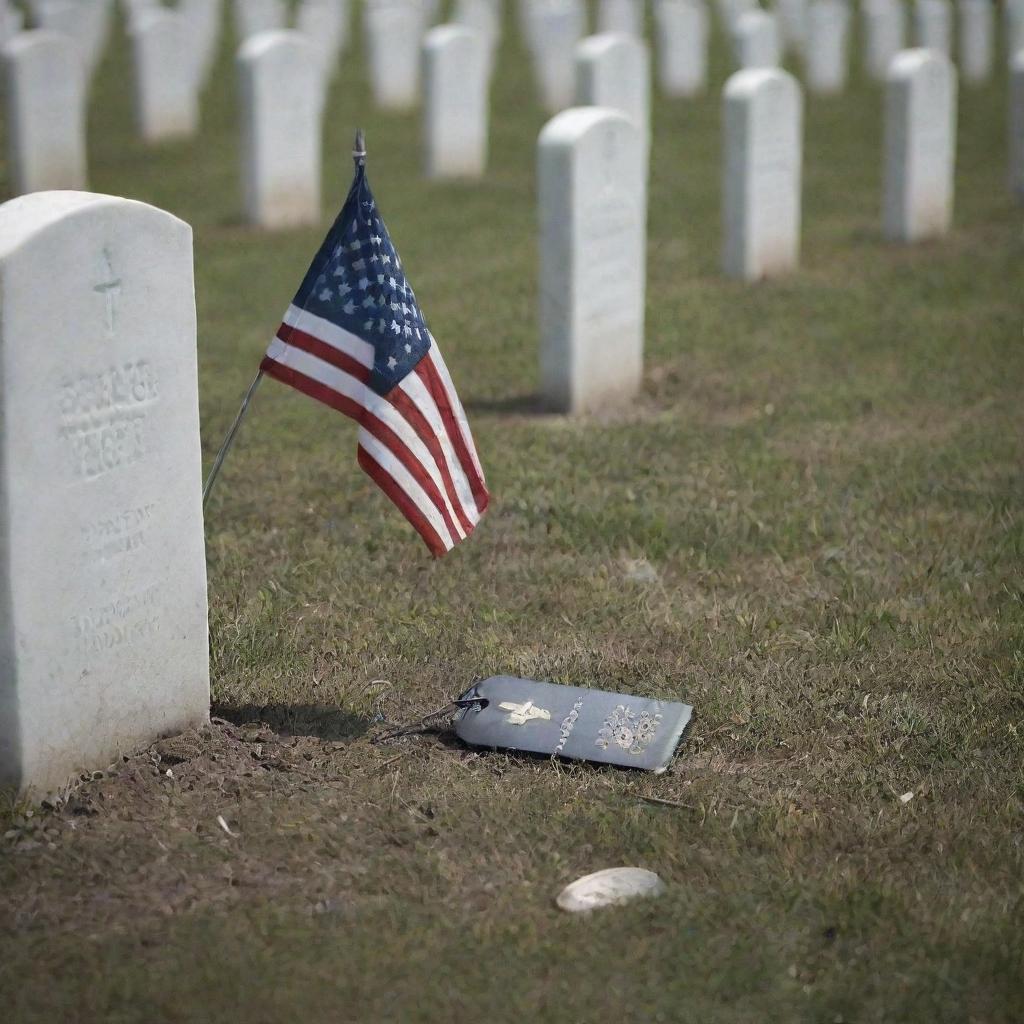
(484, 18)
(756, 40)
(255, 16)
(624, 16)
(730, 11)
(45, 88)
(792, 18)
(1013, 27)
(977, 23)
(555, 27)
(762, 129)
(203, 21)
(12, 21)
(592, 259)
(104, 618)
(827, 52)
(933, 26)
(86, 22)
(682, 35)
(166, 101)
(614, 71)
(884, 26)
(1016, 124)
(394, 35)
(325, 24)
(920, 146)
(455, 112)
(281, 86)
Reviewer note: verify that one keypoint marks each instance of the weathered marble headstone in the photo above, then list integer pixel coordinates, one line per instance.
(792, 18)
(203, 21)
(920, 146)
(1013, 27)
(827, 52)
(166, 101)
(614, 71)
(394, 35)
(484, 18)
(555, 27)
(682, 36)
(12, 21)
(325, 24)
(884, 26)
(593, 212)
(624, 16)
(1016, 124)
(255, 16)
(456, 84)
(933, 26)
(85, 22)
(281, 86)
(977, 23)
(756, 40)
(103, 621)
(762, 129)
(730, 11)
(45, 89)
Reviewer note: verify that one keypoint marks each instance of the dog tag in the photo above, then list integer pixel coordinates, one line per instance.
(572, 722)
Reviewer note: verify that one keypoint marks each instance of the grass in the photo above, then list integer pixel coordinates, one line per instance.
(825, 473)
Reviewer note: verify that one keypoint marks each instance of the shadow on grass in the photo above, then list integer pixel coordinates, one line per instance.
(321, 720)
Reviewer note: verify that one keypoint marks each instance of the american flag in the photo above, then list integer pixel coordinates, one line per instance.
(355, 339)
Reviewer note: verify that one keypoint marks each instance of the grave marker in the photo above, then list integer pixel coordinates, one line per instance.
(593, 211)
(394, 34)
(762, 134)
(933, 26)
(756, 40)
(827, 53)
(622, 16)
(613, 71)
(555, 28)
(45, 88)
(884, 29)
(455, 65)
(682, 37)
(920, 146)
(255, 16)
(281, 85)
(977, 22)
(166, 83)
(103, 624)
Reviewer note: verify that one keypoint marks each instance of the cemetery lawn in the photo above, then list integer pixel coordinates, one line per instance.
(810, 527)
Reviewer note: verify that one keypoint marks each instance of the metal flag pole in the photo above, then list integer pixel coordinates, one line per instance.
(359, 156)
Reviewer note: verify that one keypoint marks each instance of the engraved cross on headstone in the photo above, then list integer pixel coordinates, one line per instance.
(111, 289)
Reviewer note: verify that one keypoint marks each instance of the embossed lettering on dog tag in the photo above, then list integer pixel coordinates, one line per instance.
(572, 722)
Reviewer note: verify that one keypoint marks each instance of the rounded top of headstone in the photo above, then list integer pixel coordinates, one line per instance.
(39, 38)
(280, 40)
(27, 216)
(753, 20)
(605, 42)
(908, 63)
(446, 35)
(750, 81)
(568, 127)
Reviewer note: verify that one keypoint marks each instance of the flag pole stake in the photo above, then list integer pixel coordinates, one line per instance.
(219, 461)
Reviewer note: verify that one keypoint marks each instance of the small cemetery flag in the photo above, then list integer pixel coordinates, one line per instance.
(355, 339)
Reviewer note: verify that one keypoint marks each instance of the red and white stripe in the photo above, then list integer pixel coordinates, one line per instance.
(414, 442)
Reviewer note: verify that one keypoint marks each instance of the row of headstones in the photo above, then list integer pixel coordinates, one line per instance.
(105, 613)
(592, 189)
(759, 38)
